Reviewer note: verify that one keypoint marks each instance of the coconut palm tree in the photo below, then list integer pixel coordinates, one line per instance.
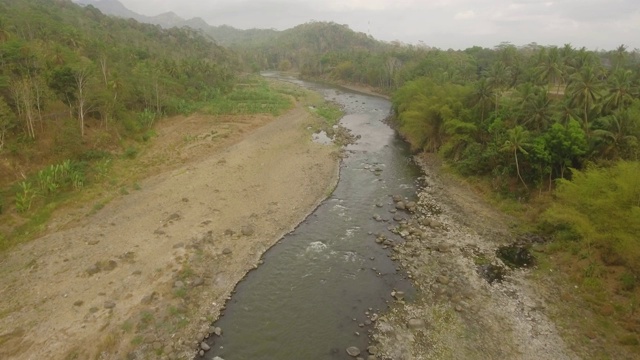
(482, 96)
(549, 69)
(621, 91)
(616, 134)
(585, 90)
(620, 57)
(517, 142)
(498, 77)
(536, 109)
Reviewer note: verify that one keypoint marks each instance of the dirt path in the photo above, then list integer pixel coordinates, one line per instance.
(457, 314)
(143, 277)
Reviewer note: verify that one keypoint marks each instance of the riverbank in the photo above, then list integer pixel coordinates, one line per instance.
(457, 313)
(145, 275)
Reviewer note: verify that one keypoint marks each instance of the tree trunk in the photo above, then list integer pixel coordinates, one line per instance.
(515, 153)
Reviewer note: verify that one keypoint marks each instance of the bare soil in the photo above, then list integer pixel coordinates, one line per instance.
(144, 276)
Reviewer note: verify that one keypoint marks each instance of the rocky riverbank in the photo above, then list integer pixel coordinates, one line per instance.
(448, 243)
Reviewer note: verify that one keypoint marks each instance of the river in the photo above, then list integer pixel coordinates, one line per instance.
(312, 296)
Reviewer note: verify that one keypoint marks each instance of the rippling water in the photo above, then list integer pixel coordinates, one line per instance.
(300, 304)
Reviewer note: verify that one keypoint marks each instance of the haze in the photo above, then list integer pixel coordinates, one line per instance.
(457, 24)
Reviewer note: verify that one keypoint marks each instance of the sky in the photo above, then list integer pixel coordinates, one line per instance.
(445, 24)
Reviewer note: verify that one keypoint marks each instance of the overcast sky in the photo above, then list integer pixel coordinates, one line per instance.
(457, 24)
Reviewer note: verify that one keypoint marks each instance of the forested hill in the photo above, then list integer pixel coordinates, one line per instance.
(310, 48)
(67, 71)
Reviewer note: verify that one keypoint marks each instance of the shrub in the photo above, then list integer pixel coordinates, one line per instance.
(131, 152)
(600, 207)
(24, 197)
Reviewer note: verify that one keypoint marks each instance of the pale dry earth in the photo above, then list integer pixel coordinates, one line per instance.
(144, 277)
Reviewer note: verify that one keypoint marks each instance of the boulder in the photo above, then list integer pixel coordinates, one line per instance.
(416, 324)
(247, 230)
(353, 351)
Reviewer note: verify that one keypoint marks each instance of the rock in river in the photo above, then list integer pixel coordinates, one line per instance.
(353, 351)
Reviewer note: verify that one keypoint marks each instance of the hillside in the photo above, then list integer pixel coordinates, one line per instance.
(73, 72)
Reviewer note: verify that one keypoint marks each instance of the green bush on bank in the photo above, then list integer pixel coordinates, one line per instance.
(600, 207)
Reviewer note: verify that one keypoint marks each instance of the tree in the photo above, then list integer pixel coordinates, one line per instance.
(82, 77)
(518, 140)
(620, 57)
(566, 144)
(615, 136)
(549, 67)
(620, 92)
(23, 96)
(498, 78)
(536, 109)
(482, 96)
(63, 83)
(7, 120)
(584, 91)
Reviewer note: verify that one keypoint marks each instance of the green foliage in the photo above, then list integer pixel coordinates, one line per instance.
(566, 144)
(430, 114)
(105, 70)
(146, 118)
(628, 281)
(252, 98)
(102, 168)
(600, 207)
(131, 152)
(7, 121)
(330, 113)
(24, 197)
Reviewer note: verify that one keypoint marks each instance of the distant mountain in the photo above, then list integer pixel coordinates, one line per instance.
(223, 34)
(114, 8)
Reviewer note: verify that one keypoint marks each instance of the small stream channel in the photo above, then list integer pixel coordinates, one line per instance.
(302, 302)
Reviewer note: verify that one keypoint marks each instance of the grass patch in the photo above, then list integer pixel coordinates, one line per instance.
(107, 345)
(137, 340)
(127, 326)
(254, 96)
(330, 112)
(32, 227)
(185, 272)
(146, 319)
(97, 207)
(180, 292)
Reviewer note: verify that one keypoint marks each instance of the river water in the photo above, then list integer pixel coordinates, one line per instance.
(302, 301)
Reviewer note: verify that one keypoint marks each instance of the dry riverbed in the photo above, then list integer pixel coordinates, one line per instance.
(145, 276)
(457, 313)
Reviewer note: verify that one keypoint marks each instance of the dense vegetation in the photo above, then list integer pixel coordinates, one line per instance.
(62, 62)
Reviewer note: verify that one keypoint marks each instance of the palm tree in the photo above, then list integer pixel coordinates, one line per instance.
(536, 109)
(482, 96)
(621, 91)
(549, 67)
(518, 140)
(616, 136)
(584, 91)
(498, 76)
(565, 112)
(620, 57)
